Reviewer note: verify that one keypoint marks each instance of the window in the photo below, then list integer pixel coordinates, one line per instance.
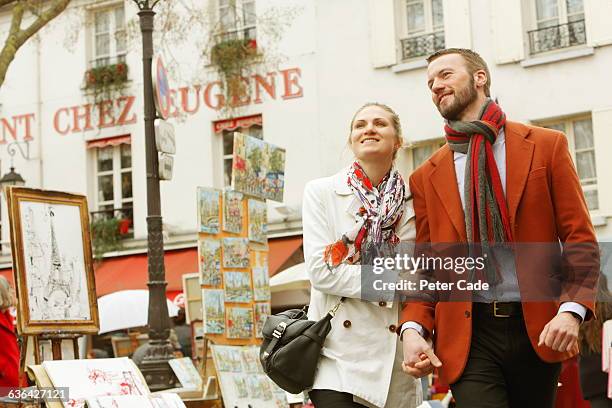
(422, 27)
(580, 139)
(558, 23)
(237, 19)
(113, 181)
(422, 152)
(109, 37)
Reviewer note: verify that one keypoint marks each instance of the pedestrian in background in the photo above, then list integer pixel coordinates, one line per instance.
(9, 350)
(593, 381)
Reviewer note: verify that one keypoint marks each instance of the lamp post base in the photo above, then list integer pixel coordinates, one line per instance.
(155, 368)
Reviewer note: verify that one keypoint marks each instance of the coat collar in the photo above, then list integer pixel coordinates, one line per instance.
(519, 152)
(342, 188)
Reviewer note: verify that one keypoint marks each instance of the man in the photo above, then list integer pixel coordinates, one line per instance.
(496, 182)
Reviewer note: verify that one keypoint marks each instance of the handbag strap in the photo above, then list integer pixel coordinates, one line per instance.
(334, 309)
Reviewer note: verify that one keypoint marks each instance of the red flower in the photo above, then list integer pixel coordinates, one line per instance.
(335, 253)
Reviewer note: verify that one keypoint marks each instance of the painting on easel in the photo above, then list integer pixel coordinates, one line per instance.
(52, 261)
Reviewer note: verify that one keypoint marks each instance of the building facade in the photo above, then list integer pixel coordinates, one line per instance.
(549, 62)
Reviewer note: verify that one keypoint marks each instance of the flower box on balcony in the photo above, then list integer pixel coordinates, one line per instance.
(106, 76)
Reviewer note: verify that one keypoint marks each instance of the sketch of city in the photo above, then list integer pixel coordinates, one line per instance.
(98, 377)
(239, 322)
(213, 311)
(237, 287)
(261, 277)
(262, 311)
(232, 211)
(258, 227)
(210, 262)
(208, 210)
(55, 272)
(235, 253)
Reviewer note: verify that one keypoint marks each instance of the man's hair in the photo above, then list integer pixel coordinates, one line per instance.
(473, 62)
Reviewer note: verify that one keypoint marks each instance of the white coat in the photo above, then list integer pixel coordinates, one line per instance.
(362, 354)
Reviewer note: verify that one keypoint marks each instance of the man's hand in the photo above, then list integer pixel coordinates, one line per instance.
(419, 358)
(561, 333)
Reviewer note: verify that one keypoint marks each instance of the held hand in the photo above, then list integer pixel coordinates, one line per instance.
(561, 333)
(419, 358)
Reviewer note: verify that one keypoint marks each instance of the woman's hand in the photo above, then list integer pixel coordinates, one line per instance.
(419, 358)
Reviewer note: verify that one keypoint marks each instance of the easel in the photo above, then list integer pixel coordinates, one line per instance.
(56, 338)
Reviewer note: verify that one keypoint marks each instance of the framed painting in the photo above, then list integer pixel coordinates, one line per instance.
(52, 261)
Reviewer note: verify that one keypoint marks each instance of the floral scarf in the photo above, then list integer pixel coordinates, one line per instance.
(381, 209)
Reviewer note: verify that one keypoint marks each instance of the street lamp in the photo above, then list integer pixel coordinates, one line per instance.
(12, 178)
(154, 366)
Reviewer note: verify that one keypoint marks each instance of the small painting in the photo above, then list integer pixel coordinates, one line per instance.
(210, 262)
(258, 218)
(208, 210)
(232, 211)
(237, 287)
(213, 311)
(262, 311)
(239, 322)
(235, 253)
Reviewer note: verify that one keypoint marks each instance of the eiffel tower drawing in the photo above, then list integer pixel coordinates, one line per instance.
(59, 278)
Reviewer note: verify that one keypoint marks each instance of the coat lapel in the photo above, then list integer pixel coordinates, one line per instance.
(342, 189)
(519, 153)
(444, 182)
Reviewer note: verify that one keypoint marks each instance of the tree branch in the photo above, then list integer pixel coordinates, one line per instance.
(17, 37)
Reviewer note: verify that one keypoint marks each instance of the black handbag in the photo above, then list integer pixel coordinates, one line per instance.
(292, 346)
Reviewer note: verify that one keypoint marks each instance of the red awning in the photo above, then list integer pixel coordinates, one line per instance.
(109, 141)
(280, 250)
(233, 124)
(131, 271)
(8, 274)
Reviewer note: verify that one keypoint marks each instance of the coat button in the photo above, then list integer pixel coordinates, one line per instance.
(392, 328)
(347, 323)
(382, 303)
(467, 314)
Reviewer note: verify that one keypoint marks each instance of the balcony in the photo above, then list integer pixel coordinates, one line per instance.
(109, 228)
(105, 74)
(246, 34)
(557, 37)
(422, 45)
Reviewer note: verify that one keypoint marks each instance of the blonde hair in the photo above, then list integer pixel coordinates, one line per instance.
(395, 121)
(6, 294)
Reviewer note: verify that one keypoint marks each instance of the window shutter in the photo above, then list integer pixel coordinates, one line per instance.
(507, 30)
(457, 24)
(598, 27)
(382, 33)
(602, 140)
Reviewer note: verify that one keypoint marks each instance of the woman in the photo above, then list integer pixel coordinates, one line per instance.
(365, 204)
(593, 381)
(9, 351)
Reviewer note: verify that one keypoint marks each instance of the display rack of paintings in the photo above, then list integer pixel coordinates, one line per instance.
(242, 380)
(233, 268)
(258, 168)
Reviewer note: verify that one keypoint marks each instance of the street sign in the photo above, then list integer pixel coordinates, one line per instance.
(164, 137)
(161, 90)
(166, 166)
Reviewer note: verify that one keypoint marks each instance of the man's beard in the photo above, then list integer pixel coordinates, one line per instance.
(462, 99)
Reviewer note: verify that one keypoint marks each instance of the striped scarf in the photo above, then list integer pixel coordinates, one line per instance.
(486, 210)
(381, 209)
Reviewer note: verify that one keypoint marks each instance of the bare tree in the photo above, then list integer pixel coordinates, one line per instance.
(42, 12)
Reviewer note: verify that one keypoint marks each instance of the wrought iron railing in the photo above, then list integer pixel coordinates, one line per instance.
(125, 217)
(556, 37)
(422, 45)
(249, 33)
